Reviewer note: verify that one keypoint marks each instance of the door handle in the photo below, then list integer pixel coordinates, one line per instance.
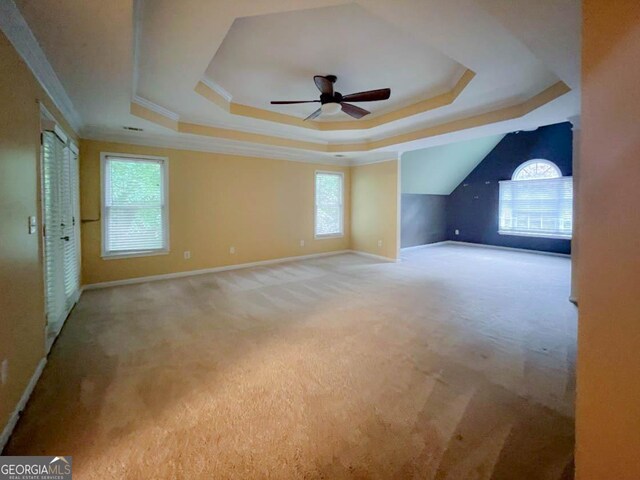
(66, 238)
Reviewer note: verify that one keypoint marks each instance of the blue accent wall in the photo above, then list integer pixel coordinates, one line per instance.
(472, 207)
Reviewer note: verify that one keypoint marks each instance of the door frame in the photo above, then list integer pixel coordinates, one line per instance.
(48, 123)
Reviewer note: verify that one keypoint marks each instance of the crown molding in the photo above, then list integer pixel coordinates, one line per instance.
(217, 88)
(15, 27)
(197, 143)
(393, 142)
(154, 107)
(213, 92)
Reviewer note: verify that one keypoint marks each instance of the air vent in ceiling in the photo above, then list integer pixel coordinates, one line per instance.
(133, 129)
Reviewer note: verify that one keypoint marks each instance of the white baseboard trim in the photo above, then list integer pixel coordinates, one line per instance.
(377, 257)
(512, 249)
(426, 245)
(13, 420)
(190, 273)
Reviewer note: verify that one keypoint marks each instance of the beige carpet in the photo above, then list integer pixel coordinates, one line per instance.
(457, 363)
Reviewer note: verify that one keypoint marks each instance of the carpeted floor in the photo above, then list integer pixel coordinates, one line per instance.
(457, 363)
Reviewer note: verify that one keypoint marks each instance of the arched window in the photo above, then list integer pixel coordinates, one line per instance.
(536, 202)
(536, 169)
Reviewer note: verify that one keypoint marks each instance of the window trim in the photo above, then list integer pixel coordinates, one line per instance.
(520, 167)
(106, 255)
(315, 205)
(526, 163)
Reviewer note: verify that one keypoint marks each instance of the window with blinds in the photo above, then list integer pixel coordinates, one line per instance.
(134, 206)
(536, 207)
(329, 204)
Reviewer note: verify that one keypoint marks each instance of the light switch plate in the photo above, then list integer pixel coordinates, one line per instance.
(33, 224)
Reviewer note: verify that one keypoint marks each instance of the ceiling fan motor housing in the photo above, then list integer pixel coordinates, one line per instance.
(328, 98)
(332, 102)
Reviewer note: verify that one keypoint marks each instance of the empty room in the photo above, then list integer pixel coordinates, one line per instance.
(321, 239)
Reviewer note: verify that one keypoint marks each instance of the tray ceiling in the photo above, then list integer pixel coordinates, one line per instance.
(144, 64)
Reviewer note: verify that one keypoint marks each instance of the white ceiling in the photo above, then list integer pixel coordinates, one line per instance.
(274, 57)
(107, 53)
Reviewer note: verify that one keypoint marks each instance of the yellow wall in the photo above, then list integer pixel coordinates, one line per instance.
(374, 208)
(260, 206)
(608, 402)
(22, 318)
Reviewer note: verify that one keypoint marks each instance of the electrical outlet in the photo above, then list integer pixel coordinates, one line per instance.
(379, 243)
(302, 243)
(232, 250)
(4, 371)
(187, 254)
(457, 232)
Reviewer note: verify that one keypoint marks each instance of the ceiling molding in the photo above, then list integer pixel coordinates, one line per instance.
(14, 26)
(495, 116)
(217, 88)
(208, 144)
(137, 35)
(154, 107)
(221, 98)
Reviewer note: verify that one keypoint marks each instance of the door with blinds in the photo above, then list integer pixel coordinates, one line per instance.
(60, 229)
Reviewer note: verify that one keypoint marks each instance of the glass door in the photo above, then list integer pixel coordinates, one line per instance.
(60, 232)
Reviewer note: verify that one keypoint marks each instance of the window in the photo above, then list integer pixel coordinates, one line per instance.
(536, 170)
(329, 194)
(537, 202)
(134, 206)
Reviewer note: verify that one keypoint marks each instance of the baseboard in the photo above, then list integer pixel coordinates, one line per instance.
(512, 249)
(8, 429)
(434, 244)
(190, 273)
(371, 255)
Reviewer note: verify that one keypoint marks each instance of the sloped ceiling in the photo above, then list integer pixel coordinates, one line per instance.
(439, 170)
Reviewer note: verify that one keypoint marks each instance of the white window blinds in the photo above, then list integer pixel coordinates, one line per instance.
(134, 206)
(329, 204)
(61, 228)
(54, 226)
(538, 208)
(70, 214)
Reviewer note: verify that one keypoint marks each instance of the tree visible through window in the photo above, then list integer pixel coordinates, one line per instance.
(328, 204)
(537, 202)
(134, 213)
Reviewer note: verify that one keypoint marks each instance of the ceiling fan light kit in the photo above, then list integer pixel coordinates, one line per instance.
(332, 102)
(330, 108)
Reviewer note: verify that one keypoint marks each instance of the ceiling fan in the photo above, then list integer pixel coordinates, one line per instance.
(331, 102)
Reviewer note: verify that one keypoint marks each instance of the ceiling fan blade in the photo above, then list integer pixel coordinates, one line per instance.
(324, 84)
(314, 114)
(289, 102)
(369, 96)
(355, 112)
